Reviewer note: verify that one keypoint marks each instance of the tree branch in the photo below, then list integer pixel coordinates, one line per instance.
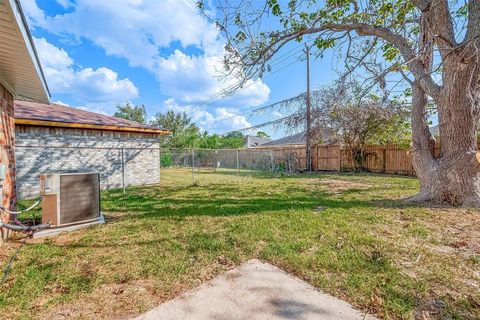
(423, 5)
(401, 43)
(473, 26)
(443, 24)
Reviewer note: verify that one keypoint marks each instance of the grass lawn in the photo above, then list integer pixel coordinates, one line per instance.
(348, 235)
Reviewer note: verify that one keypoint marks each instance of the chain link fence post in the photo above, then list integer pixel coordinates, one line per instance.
(215, 160)
(193, 165)
(123, 170)
(159, 165)
(271, 161)
(238, 164)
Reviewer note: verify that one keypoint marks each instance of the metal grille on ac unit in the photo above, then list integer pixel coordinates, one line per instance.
(70, 197)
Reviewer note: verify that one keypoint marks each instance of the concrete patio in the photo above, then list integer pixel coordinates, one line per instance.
(255, 290)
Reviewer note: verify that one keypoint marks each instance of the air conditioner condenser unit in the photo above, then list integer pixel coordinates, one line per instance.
(70, 197)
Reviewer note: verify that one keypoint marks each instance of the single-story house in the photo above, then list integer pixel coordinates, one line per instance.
(57, 137)
(254, 141)
(300, 139)
(293, 140)
(21, 77)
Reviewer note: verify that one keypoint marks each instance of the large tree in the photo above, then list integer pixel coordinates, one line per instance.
(433, 44)
(184, 133)
(131, 112)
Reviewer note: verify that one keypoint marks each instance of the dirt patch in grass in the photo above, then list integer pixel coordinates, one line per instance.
(108, 301)
(461, 229)
(441, 248)
(339, 186)
(125, 300)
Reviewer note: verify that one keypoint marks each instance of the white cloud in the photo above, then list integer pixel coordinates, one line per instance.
(190, 79)
(60, 102)
(100, 85)
(170, 39)
(220, 120)
(35, 16)
(65, 3)
(135, 30)
(227, 116)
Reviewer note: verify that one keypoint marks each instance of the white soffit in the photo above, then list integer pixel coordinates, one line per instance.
(20, 70)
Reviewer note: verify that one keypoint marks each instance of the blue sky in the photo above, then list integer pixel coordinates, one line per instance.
(162, 54)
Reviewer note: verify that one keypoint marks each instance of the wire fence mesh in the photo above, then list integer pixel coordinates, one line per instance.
(118, 167)
(235, 161)
(124, 167)
(121, 167)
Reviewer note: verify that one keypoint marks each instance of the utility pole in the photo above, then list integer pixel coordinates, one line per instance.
(308, 150)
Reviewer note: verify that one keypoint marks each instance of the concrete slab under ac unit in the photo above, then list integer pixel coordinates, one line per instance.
(51, 232)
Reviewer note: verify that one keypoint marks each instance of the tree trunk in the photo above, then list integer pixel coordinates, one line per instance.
(422, 146)
(454, 177)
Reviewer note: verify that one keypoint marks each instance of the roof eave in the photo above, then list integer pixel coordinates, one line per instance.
(58, 124)
(28, 39)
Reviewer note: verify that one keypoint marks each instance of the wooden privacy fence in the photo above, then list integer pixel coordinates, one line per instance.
(390, 159)
(324, 157)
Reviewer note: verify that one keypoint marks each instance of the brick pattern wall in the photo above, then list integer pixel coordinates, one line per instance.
(43, 149)
(7, 152)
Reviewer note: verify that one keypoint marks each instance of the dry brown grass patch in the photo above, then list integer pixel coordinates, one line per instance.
(338, 186)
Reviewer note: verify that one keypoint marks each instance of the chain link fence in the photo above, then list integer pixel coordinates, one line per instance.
(232, 161)
(124, 167)
(118, 167)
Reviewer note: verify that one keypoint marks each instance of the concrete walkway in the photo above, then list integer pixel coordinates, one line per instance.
(255, 290)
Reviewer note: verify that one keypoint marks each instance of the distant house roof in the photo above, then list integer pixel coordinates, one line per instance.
(298, 138)
(20, 69)
(325, 136)
(254, 141)
(55, 115)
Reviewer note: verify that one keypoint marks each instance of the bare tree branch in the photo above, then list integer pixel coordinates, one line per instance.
(473, 25)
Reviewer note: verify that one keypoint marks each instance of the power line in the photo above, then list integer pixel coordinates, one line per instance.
(285, 102)
(272, 122)
(204, 103)
(202, 107)
(265, 124)
(273, 105)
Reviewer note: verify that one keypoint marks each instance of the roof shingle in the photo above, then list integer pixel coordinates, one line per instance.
(56, 113)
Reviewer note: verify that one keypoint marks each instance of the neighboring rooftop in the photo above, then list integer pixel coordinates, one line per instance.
(20, 70)
(296, 139)
(55, 115)
(299, 139)
(254, 141)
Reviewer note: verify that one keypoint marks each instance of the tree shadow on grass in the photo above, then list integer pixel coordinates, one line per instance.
(306, 175)
(223, 201)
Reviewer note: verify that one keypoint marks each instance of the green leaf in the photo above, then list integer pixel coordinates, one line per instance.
(324, 43)
(389, 52)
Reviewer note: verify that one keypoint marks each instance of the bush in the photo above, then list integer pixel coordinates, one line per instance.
(166, 160)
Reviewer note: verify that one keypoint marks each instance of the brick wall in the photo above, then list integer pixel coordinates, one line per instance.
(43, 149)
(7, 152)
